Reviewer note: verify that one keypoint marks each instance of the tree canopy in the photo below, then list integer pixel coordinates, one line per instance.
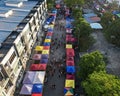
(102, 84)
(90, 63)
(70, 3)
(112, 32)
(107, 19)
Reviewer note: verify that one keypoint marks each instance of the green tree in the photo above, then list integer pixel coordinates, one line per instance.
(70, 3)
(112, 33)
(76, 13)
(82, 33)
(90, 63)
(50, 4)
(102, 84)
(106, 19)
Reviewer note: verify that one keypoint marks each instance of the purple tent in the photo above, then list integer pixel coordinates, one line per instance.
(26, 89)
(29, 77)
(44, 56)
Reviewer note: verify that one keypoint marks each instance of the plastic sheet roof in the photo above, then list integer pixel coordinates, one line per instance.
(96, 26)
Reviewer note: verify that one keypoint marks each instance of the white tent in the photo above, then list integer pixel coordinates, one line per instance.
(96, 26)
(26, 89)
(39, 77)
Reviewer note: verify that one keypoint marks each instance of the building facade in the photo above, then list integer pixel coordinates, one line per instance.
(16, 48)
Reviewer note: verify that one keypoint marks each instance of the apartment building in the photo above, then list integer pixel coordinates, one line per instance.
(20, 26)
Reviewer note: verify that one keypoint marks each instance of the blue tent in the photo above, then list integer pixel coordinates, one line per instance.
(70, 69)
(44, 61)
(37, 88)
(50, 29)
(44, 56)
(48, 37)
(46, 44)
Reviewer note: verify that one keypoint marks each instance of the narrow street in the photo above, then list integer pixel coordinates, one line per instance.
(56, 60)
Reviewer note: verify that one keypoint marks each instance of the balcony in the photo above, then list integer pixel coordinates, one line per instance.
(8, 70)
(4, 82)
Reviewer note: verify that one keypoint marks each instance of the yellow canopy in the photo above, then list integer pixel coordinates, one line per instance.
(51, 25)
(70, 83)
(68, 45)
(45, 52)
(38, 48)
(47, 40)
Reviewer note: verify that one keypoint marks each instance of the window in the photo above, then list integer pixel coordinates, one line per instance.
(1, 76)
(12, 57)
(7, 87)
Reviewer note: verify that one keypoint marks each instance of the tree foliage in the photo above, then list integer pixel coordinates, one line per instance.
(102, 84)
(112, 32)
(70, 3)
(90, 63)
(50, 4)
(107, 19)
(82, 33)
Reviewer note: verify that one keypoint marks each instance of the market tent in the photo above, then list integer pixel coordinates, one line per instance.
(38, 67)
(37, 94)
(96, 26)
(44, 56)
(68, 91)
(37, 88)
(70, 83)
(70, 52)
(70, 69)
(68, 45)
(26, 89)
(70, 63)
(51, 26)
(45, 52)
(89, 15)
(70, 58)
(68, 30)
(69, 36)
(38, 48)
(46, 44)
(50, 30)
(36, 57)
(47, 40)
(44, 61)
(46, 47)
(29, 77)
(49, 34)
(48, 37)
(70, 76)
(39, 77)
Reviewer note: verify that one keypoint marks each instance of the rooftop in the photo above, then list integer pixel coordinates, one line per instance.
(7, 24)
(11, 21)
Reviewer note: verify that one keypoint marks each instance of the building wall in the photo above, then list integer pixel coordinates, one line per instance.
(15, 60)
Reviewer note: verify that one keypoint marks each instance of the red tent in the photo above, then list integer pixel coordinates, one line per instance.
(37, 94)
(70, 52)
(46, 47)
(70, 76)
(70, 63)
(49, 34)
(70, 58)
(38, 67)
